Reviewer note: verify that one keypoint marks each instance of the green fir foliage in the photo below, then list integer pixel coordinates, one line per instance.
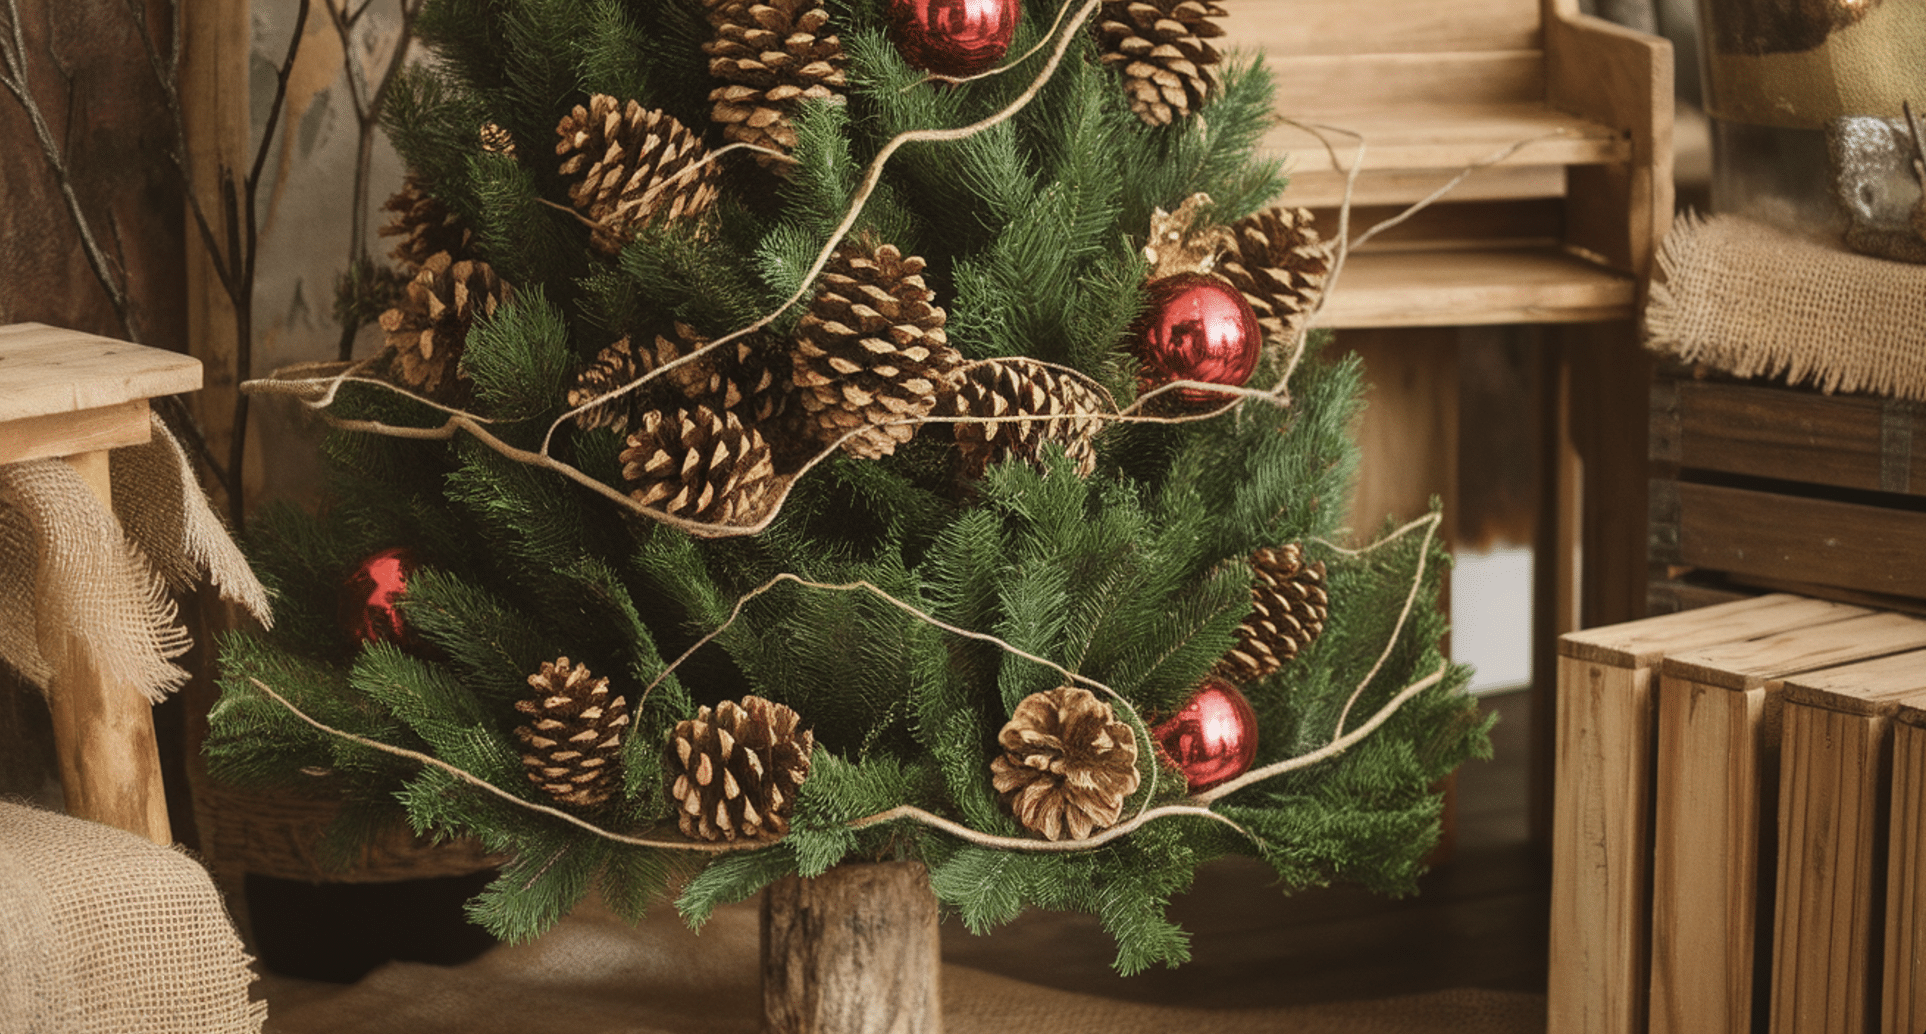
(1135, 578)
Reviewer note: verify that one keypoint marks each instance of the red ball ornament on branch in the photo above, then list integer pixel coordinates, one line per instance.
(368, 610)
(1197, 328)
(1213, 739)
(953, 37)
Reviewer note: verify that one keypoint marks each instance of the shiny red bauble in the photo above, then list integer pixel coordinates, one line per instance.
(953, 37)
(1197, 328)
(1213, 739)
(368, 610)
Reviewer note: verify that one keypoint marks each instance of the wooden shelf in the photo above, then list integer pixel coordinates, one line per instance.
(1453, 288)
(63, 392)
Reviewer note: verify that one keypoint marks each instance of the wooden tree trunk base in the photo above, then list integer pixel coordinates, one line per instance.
(853, 951)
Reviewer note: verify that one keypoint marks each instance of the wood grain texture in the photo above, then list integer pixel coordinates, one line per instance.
(1750, 663)
(1643, 643)
(1444, 136)
(1601, 850)
(1623, 79)
(853, 951)
(46, 370)
(1333, 26)
(1315, 184)
(1328, 87)
(215, 95)
(87, 430)
(1776, 432)
(1823, 541)
(110, 767)
(1902, 1007)
(1459, 288)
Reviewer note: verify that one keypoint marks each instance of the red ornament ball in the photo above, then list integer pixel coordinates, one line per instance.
(1213, 739)
(368, 612)
(953, 37)
(1197, 328)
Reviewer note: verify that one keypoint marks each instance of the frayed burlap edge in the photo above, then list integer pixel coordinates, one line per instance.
(1754, 301)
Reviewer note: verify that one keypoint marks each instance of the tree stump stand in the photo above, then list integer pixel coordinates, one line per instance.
(853, 951)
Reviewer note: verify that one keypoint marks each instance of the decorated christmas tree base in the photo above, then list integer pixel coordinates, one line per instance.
(853, 951)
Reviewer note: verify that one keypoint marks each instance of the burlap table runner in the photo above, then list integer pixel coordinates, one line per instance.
(1755, 301)
(594, 974)
(103, 932)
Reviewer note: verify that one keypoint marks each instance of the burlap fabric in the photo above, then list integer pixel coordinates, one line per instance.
(86, 585)
(103, 932)
(594, 974)
(1755, 301)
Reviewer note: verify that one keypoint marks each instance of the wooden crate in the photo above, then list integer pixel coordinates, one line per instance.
(1759, 485)
(1835, 774)
(1902, 1008)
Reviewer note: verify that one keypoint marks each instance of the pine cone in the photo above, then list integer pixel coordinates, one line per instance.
(429, 327)
(1289, 606)
(496, 140)
(425, 226)
(699, 464)
(1169, 70)
(628, 166)
(772, 56)
(1067, 764)
(737, 771)
(735, 379)
(1015, 386)
(574, 737)
(1280, 264)
(871, 350)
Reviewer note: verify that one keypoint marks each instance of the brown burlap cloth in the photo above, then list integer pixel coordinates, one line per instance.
(1755, 301)
(104, 932)
(594, 974)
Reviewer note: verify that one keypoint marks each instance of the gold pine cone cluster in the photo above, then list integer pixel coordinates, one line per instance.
(1067, 764)
(572, 741)
(735, 771)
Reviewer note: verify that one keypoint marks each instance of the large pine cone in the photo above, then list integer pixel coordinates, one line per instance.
(737, 378)
(773, 56)
(574, 735)
(737, 771)
(1288, 608)
(1280, 265)
(429, 327)
(629, 166)
(1015, 386)
(425, 226)
(1169, 70)
(696, 463)
(871, 352)
(1067, 764)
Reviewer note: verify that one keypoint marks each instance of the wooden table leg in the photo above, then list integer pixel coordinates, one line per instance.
(104, 731)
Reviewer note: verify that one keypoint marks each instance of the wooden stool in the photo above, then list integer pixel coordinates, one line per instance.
(75, 396)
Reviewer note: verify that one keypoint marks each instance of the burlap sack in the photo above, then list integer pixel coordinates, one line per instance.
(1755, 301)
(103, 932)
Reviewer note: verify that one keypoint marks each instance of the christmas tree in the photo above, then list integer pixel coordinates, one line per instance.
(806, 436)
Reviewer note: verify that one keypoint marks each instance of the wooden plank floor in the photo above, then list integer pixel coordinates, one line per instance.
(1479, 920)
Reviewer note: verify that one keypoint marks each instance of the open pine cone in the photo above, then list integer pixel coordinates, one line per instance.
(696, 463)
(1288, 609)
(1067, 764)
(1169, 69)
(736, 771)
(737, 378)
(429, 326)
(628, 166)
(574, 734)
(872, 350)
(425, 226)
(1016, 386)
(1279, 264)
(772, 56)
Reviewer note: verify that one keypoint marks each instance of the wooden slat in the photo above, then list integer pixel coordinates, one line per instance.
(1807, 540)
(45, 370)
(1903, 985)
(1717, 786)
(1314, 184)
(1834, 774)
(1462, 225)
(1645, 642)
(1334, 26)
(64, 434)
(1448, 137)
(1768, 431)
(1450, 288)
(1325, 86)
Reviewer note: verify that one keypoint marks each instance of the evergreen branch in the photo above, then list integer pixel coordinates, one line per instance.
(1431, 523)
